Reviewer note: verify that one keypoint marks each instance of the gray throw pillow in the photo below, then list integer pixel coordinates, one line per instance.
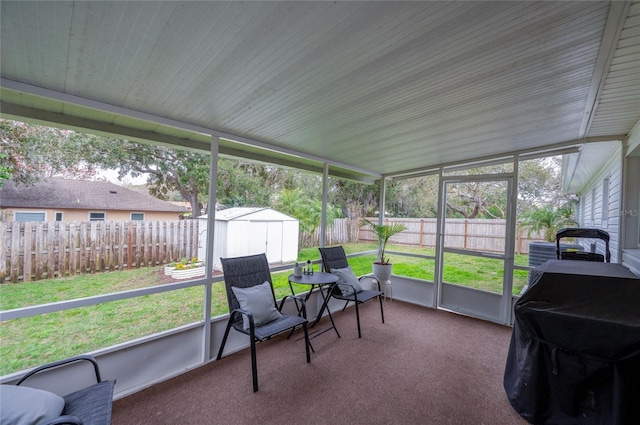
(28, 406)
(258, 300)
(347, 281)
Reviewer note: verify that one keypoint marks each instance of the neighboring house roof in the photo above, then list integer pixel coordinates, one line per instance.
(80, 194)
(253, 214)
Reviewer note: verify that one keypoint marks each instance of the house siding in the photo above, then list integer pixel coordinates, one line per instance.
(8, 214)
(591, 207)
(630, 217)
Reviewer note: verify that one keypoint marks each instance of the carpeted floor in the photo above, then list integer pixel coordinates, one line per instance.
(420, 367)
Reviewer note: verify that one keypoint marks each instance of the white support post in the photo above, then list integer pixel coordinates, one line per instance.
(211, 221)
(381, 210)
(510, 241)
(323, 216)
(442, 210)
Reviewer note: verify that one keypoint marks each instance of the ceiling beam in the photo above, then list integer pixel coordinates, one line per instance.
(65, 98)
(230, 148)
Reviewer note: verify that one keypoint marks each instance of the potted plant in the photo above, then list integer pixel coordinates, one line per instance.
(382, 267)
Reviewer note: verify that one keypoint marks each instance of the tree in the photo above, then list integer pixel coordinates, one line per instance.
(539, 183)
(307, 210)
(241, 184)
(354, 199)
(549, 220)
(31, 152)
(477, 199)
(413, 197)
(167, 169)
(5, 172)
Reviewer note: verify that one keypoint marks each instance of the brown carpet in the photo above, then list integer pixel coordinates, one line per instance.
(420, 367)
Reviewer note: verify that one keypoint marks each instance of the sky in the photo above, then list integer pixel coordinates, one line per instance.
(112, 176)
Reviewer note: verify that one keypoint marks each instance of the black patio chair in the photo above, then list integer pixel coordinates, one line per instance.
(335, 259)
(252, 305)
(91, 405)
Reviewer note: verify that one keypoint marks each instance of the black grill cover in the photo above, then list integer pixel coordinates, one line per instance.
(574, 356)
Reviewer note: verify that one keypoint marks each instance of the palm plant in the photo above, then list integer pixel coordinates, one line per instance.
(384, 233)
(548, 220)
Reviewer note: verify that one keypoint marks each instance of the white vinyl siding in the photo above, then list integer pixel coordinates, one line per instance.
(605, 214)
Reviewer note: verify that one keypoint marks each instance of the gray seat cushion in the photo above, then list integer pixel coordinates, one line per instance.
(28, 406)
(259, 301)
(347, 281)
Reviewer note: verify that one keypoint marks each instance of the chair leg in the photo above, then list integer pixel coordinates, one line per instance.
(381, 308)
(358, 320)
(254, 364)
(224, 339)
(307, 343)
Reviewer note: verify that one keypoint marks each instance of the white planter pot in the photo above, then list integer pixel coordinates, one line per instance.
(187, 273)
(382, 272)
(297, 271)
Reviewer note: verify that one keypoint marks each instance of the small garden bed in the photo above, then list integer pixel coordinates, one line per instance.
(185, 269)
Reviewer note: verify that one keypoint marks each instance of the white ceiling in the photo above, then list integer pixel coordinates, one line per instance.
(370, 87)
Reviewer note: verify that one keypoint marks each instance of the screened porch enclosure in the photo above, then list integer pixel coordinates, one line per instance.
(369, 92)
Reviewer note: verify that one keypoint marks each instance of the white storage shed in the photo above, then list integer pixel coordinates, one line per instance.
(246, 231)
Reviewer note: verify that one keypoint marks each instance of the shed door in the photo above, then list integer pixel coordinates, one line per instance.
(274, 241)
(266, 236)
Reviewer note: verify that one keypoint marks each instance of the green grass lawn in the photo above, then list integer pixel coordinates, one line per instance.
(35, 340)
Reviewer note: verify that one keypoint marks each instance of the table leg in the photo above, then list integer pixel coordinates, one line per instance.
(325, 300)
(299, 308)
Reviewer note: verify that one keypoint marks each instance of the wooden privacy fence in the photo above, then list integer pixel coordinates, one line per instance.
(341, 230)
(44, 250)
(474, 234)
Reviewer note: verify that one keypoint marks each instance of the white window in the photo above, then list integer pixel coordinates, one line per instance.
(30, 216)
(137, 216)
(58, 216)
(97, 216)
(593, 206)
(605, 202)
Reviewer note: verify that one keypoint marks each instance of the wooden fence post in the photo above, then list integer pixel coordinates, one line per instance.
(466, 229)
(3, 252)
(129, 247)
(40, 247)
(27, 249)
(73, 248)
